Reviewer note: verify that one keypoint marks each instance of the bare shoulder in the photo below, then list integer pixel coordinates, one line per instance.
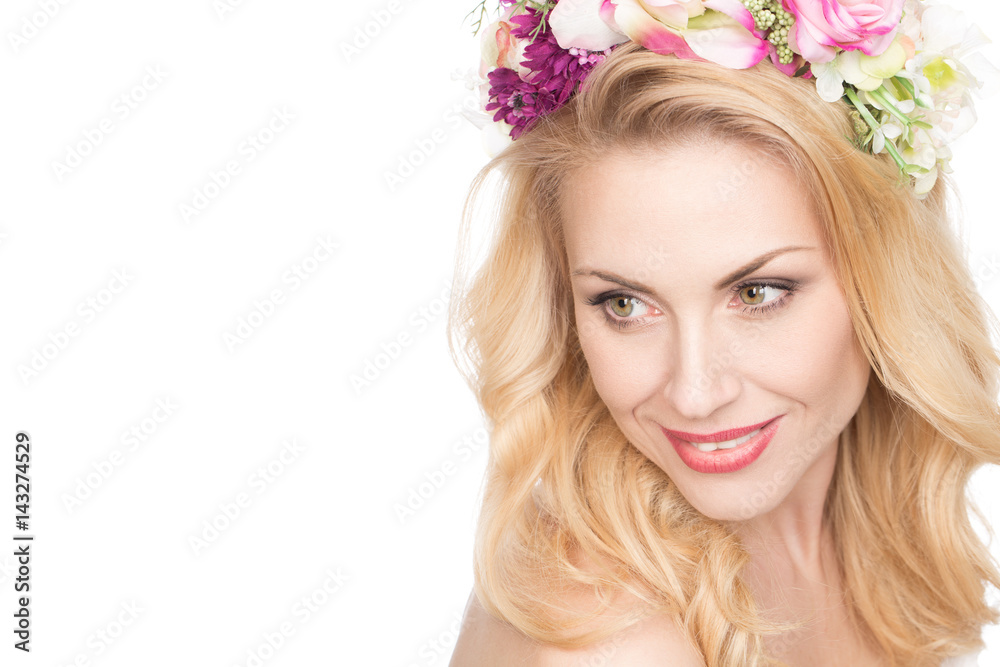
(486, 641)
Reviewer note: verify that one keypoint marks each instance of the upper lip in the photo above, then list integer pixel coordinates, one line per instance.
(719, 436)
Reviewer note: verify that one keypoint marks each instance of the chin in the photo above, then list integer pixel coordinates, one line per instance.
(763, 485)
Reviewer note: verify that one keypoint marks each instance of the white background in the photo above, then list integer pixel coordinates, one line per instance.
(331, 508)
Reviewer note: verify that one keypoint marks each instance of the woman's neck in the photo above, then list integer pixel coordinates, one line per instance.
(795, 535)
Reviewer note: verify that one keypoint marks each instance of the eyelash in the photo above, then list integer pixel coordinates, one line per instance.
(755, 311)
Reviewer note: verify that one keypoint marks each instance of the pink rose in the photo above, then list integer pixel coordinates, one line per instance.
(823, 26)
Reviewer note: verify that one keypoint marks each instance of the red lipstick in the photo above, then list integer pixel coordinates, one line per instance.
(718, 436)
(723, 460)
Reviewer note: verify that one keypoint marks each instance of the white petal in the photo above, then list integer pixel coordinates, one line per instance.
(488, 49)
(878, 142)
(973, 39)
(849, 65)
(943, 28)
(965, 120)
(480, 119)
(578, 23)
(496, 137)
(924, 182)
(515, 58)
(983, 71)
(891, 131)
(829, 83)
(925, 156)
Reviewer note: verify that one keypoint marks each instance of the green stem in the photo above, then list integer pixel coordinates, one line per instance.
(874, 125)
(543, 8)
(908, 86)
(879, 97)
(862, 109)
(900, 162)
(478, 21)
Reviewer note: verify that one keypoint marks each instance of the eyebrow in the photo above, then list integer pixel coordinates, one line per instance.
(741, 272)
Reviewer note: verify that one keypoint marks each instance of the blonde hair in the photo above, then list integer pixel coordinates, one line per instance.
(563, 480)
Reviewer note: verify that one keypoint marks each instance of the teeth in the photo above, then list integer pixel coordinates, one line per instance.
(726, 444)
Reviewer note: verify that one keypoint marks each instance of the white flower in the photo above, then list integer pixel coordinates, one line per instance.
(578, 23)
(923, 183)
(944, 43)
(496, 137)
(829, 81)
(861, 71)
(498, 48)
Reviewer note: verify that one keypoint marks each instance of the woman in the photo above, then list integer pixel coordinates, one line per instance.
(738, 377)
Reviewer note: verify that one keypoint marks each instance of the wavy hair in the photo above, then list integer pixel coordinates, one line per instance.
(563, 480)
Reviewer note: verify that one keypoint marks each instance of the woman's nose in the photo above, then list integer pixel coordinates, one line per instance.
(704, 370)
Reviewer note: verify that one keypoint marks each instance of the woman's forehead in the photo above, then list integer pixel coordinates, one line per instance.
(697, 197)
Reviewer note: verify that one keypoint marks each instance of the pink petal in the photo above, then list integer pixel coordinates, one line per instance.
(734, 9)
(872, 46)
(668, 12)
(722, 39)
(806, 40)
(840, 19)
(868, 26)
(607, 13)
(636, 22)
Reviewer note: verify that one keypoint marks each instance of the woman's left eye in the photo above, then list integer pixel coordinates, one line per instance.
(627, 306)
(756, 296)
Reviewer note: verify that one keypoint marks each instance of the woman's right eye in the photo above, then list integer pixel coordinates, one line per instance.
(622, 310)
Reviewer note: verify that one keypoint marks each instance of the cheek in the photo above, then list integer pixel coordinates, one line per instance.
(822, 355)
(626, 371)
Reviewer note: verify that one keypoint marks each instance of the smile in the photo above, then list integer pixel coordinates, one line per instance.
(725, 444)
(724, 451)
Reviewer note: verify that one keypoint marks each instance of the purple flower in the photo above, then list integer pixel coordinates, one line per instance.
(517, 102)
(554, 74)
(553, 68)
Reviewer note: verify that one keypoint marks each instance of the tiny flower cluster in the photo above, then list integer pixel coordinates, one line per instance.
(906, 66)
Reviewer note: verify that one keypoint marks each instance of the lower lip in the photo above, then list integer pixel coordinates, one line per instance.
(724, 460)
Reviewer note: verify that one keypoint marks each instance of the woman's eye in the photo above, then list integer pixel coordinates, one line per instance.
(753, 295)
(764, 298)
(627, 306)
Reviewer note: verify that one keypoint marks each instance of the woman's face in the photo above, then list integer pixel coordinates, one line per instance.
(706, 301)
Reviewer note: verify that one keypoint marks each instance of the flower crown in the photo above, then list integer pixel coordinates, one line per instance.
(906, 66)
